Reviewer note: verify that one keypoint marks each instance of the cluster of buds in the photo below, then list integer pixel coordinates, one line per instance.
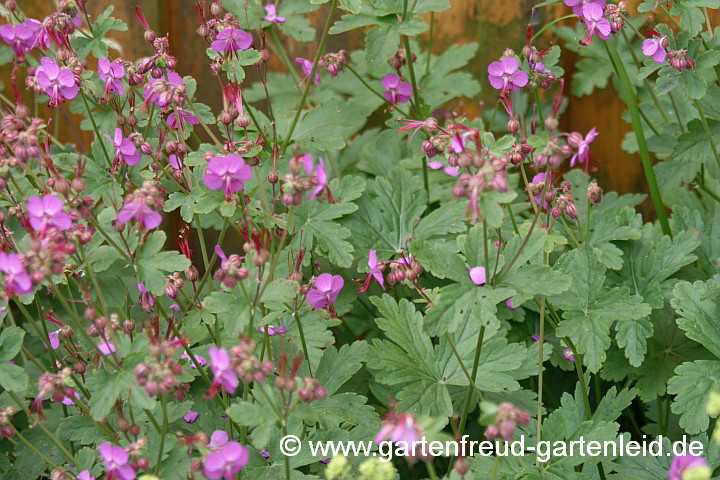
(507, 418)
(540, 75)
(231, 270)
(24, 140)
(60, 25)
(6, 415)
(46, 251)
(308, 389)
(490, 175)
(174, 283)
(52, 384)
(564, 204)
(680, 60)
(158, 64)
(234, 110)
(405, 267)
(101, 326)
(300, 180)
(554, 154)
(150, 194)
(334, 62)
(158, 374)
(246, 365)
(615, 15)
(399, 60)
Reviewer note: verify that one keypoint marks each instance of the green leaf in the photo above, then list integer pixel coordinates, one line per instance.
(81, 429)
(182, 201)
(351, 22)
(13, 378)
(338, 366)
(382, 42)
(698, 314)
(103, 257)
(153, 264)
(11, 340)
(297, 27)
(106, 390)
(328, 126)
(691, 386)
(590, 309)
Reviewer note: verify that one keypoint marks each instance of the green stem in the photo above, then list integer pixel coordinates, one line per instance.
(640, 135)
(541, 367)
(468, 397)
(163, 405)
(708, 134)
(95, 127)
(302, 341)
(310, 78)
(37, 452)
(431, 469)
(283, 54)
(375, 92)
(550, 24)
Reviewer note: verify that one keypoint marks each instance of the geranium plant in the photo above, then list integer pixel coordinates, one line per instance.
(417, 275)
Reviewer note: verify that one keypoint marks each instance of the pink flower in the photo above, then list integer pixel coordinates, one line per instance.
(326, 290)
(681, 464)
(160, 91)
(180, 117)
(147, 299)
(190, 416)
(396, 90)
(567, 353)
(477, 275)
(111, 73)
(271, 330)
(200, 360)
(106, 348)
(16, 279)
(655, 48)
(59, 83)
(451, 171)
(577, 5)
(20, 36)
(509, 304)
(85, 475)
(228, 172)
(307, 68)
(232, 39)
(54, 339)
(175, 162)
(218, 438)
(595, 22)
(319, 175)
(537, 180)
(271, 14)
(222, 370)
(48, 212)
(143, 215)
(68, 400)
(116, 462)
(375, 270)
(583, 147)
(225, 462)
(506, 75)
(125, 149)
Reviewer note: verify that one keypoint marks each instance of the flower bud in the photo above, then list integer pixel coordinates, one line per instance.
(150, 36)
(80, 368)
(551, 123)
(10, 5)
(216, 9)
(135, 430)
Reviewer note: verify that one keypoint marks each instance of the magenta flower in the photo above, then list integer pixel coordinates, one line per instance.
(438, 164)
(567, 353)
(396, 90)
(106, 348)
(539, 179)
(232, 39)
(272, 15)
(48, 212)
(125, 149)
(175, 162)
(16, 279)
(180, 117)
(319, 175)
(218, 438)
(655, 48)
(85, 475)
(68, 400)
(583, 148)
(326, 290)
(143, 215)
(20, 36)
(54, 338)
(374, 269)
(200, 360)
(398, 428)
(222, 370)
(190, 416)
(116, 462)
(228, 172)
(147, 299)
(163, 95)
(506, 75)
(577, 5)
(225, 462)
(273, 330)
(595, 22)
(682, 465)
(111, 73)
(477, 275)
(59, 83)
(307, 68)
(510, 305)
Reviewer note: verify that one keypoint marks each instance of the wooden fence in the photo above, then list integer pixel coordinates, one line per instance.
(495, 24)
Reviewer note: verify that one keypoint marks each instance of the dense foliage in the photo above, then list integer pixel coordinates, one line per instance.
(414, 274)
